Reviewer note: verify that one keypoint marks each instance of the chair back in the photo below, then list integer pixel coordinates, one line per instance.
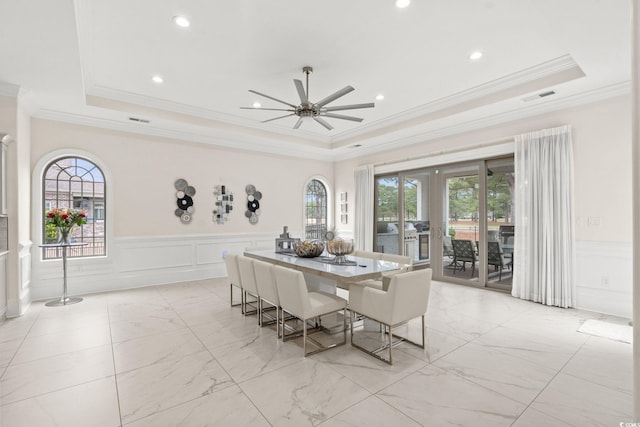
(292, 291)
(400, 259)
(266, 281)
(408, 295)
(231, 262)
(463, 250)
(494, 253)
(447, 247)
(247, 276)
(367, 254)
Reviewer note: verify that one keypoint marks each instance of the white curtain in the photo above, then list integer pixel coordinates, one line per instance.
(363, 230)
(544, 242)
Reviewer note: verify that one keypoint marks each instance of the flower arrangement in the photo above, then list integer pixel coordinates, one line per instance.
(64, 220)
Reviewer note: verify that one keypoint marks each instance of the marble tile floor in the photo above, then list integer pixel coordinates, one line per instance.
(178, 355)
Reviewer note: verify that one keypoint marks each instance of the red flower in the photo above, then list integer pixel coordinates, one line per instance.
(51, 215)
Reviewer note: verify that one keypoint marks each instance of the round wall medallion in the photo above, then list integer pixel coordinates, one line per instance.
(181, 184)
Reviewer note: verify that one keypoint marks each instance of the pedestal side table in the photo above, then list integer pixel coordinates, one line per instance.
(64, 299)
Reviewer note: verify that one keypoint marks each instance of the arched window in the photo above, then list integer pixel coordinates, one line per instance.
(75, 183)
(315, 210)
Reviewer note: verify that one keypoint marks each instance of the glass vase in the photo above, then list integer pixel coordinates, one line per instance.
(64, 235)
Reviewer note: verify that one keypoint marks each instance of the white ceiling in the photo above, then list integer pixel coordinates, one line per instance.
(91, 61)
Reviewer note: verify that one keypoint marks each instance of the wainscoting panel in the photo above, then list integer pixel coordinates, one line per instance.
(145, 261)
(152, 257)
(604, 277)
(3, 285)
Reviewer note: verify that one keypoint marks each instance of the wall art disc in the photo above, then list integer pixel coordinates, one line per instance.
(185, 218)
(190, 191)
(191, 209)
(181, 184)
(253, 205)
(250, 189)
(179, 212)
(247, 214)
(179, 194)
(250, 198)
(258, 212)
(257, 195)
(253, 219)
(185, 202)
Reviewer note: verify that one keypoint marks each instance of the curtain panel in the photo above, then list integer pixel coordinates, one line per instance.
(544, 259)
(363, 229)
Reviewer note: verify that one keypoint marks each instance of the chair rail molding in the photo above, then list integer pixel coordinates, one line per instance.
(144, 261)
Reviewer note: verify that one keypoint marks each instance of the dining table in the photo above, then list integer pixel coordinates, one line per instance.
(323, 273)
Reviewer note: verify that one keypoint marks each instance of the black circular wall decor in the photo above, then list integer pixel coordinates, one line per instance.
(253, 204)
(184, 200)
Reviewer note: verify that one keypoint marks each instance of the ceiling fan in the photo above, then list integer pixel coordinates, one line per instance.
(308, 110)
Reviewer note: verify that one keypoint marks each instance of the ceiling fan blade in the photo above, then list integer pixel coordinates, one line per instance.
(276, 118)
(342, 116)
(349, 107)
(323, 123)
(298, 123)
(301, 93)
(334, 96)
(266, 109)
(271, 97)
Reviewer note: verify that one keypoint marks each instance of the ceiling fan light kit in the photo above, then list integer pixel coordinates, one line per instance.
(307, 110)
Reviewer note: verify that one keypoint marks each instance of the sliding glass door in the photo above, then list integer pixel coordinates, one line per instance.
(402, 215)
(460, 195)
(456, 219)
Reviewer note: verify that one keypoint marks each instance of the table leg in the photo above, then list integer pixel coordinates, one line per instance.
(64, 300)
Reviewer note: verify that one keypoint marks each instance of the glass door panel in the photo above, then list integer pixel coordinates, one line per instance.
(500, 223)
(461, 233)
(416, 216)
(387, 235)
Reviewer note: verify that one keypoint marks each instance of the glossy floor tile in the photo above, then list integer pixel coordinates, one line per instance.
(178, 355)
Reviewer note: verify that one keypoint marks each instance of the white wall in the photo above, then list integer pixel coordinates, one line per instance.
(602, 155)
(149, 244)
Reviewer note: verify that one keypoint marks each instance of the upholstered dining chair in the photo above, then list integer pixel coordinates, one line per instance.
(383, 281)
(296, 300)
(406, 299)
(463, 252)
(249, 286)
(231, 262)
(267, 292)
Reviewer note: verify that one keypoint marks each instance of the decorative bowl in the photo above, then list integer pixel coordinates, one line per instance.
(340, 247)
(308, 248)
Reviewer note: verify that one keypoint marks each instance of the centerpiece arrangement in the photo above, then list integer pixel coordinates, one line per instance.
(64, 220)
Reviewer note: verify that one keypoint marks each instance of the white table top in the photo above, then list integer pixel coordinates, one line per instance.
(366, 268)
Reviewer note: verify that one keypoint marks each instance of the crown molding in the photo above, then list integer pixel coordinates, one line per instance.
(203, 113)
(528, 110)
(546, 69)
(230, 140)
(9, 89)
(386, 142)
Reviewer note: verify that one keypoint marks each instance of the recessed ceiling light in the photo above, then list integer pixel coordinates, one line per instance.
(256, 105)
(475, 55)
(157, 79)
(402, 3)
(181, 21)
(379, 97)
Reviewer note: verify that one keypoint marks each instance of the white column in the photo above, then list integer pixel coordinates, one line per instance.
(635, 185)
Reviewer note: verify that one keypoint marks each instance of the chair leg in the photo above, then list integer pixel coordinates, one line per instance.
(390, 345)
(304, 337)
(231, 297)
